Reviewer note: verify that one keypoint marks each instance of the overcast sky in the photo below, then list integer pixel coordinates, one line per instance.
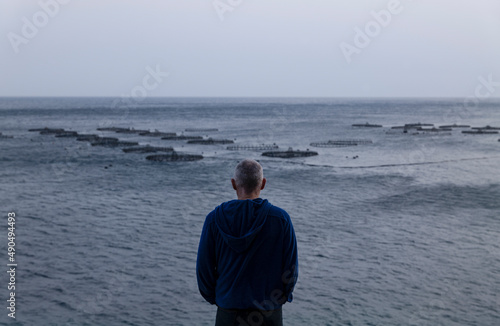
(327, 48)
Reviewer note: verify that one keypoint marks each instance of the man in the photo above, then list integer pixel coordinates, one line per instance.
(247, 258)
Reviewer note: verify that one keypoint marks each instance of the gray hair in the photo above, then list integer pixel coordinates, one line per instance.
(248, 175)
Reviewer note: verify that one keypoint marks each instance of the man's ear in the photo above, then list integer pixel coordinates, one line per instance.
(233, 182)
(263, 184)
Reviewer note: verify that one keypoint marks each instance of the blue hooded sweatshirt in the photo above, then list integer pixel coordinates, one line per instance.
(247, 257)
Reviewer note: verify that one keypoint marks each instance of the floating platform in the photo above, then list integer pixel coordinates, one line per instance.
(174, 157)
(252, 147)
(486, 128)
(211, 141)
(37, 129)
(157, 133)
(101, 141)
(434, 129)
(2, 136)
(418, 125)
(115, 129)
(329, 144)
(454, 126)
(366, 125)
(480, 132)
(131, 131)
(201, 129)
(413, 126)
(88, 137)
(67, 134)
(342, 143)
(147, 149)
(290, 153)
(431, 133)
(123, 130)
(51, 131)
(113, 142)
(105, 141)
(182, 137)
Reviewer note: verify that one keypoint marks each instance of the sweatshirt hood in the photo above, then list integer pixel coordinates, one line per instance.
(239, 221)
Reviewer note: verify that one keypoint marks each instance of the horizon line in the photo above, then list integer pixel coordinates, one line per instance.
(247, 97)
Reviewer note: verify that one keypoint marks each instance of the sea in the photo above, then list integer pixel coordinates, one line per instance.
(401, 229)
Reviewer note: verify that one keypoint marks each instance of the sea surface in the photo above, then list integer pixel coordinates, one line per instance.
(402, 231)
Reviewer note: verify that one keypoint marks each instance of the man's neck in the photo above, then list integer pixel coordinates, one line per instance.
(245, 196)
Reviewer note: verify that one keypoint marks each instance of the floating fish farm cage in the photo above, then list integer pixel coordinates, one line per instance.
(112, 129)
(182, 137)
(454, 126)
(174, 157)
(252, 147)
(413, 126)
(147, 149)
(211, 141)
(480, 132)
(132, 131)
(157, 133)
(48, 131)
(88, 137)
(440, 129)
(366, 125)
(290, 153)
(113, 142)
(486, 128)
(342, 143)
(201, 129)
(67, 134)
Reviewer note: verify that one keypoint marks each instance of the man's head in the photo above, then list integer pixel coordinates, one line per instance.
(248, 179)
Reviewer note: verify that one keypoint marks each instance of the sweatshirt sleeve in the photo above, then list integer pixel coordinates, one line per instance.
(206, 272)
(291, 264)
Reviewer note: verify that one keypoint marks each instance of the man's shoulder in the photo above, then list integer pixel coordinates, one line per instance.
(210, 218)
(279, 212)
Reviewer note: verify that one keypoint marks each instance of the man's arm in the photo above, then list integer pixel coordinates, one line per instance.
(291, 263)
(206, 272)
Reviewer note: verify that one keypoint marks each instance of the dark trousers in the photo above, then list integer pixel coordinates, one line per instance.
(248, 317)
